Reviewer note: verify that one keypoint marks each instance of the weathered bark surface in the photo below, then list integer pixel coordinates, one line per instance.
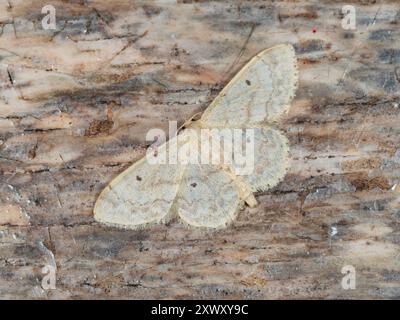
(75, 106)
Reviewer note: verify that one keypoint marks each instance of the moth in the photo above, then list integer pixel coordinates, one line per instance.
(207, 194)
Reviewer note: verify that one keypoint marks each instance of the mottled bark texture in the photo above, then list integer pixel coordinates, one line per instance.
(75, 106)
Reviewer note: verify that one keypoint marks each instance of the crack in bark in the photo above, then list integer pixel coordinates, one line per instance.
(10, 78)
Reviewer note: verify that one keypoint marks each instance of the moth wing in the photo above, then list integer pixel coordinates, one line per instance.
(259, 93)
(142, 194)
(268, 162)
(207, 197)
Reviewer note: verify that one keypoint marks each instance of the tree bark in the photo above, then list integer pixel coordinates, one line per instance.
(75, 106)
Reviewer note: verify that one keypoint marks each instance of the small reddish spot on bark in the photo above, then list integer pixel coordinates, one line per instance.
(97, 127)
